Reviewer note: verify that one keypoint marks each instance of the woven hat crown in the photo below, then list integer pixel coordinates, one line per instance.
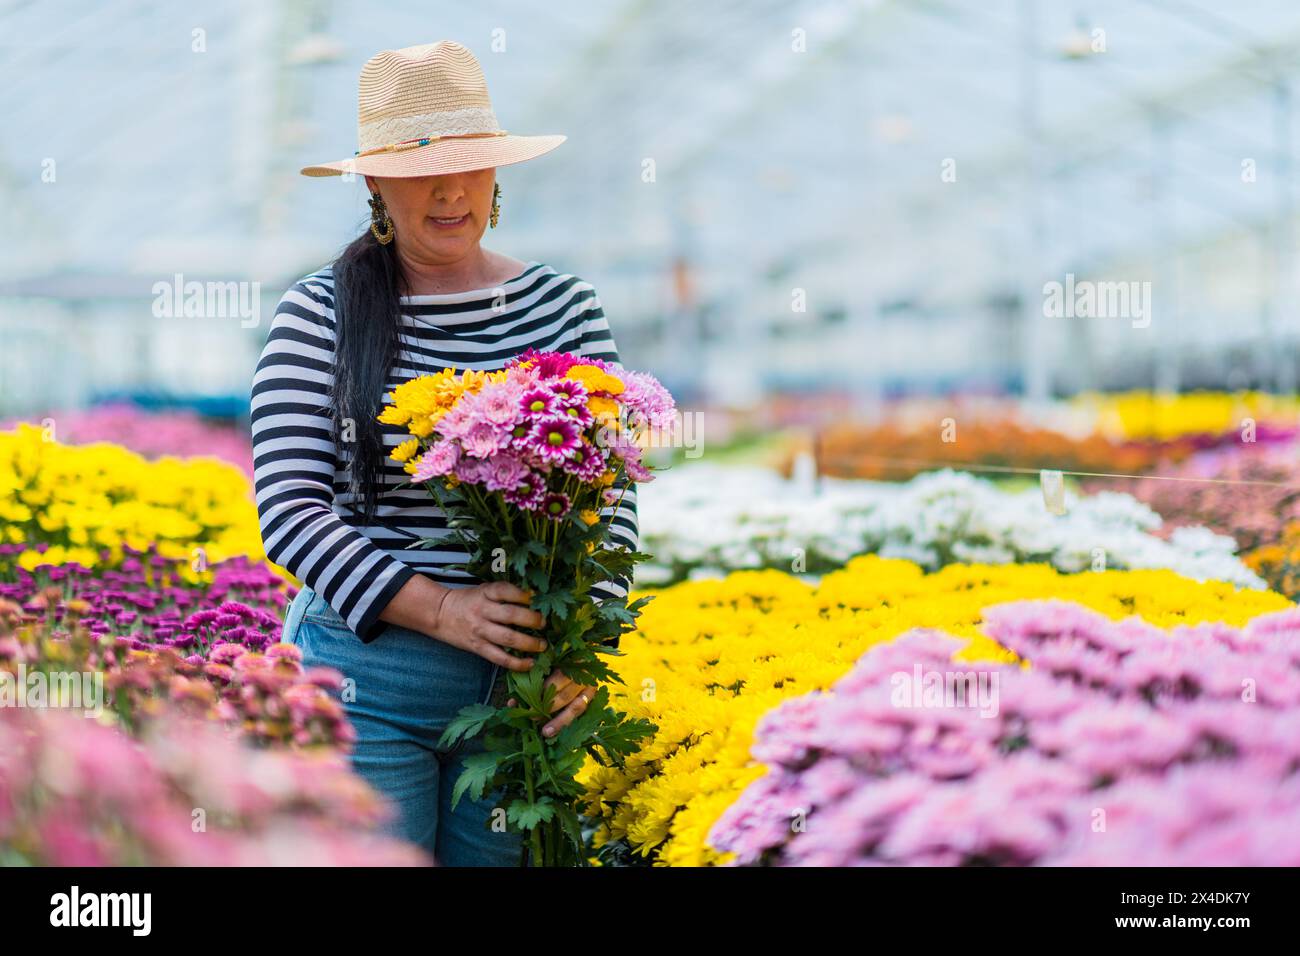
(435, 89)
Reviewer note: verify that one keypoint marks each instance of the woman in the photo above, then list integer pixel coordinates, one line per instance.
(415, 639)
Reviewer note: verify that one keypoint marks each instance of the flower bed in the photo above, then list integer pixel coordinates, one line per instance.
(211, 744)
(163, 644)
(892, 451)
(74, 792)
(710, 658)
(1132, 432)
(1209, 417)
(83, 503)
(151, 434)
(158, 580)
(1249, 493)
(1121, 744)
(764, 521)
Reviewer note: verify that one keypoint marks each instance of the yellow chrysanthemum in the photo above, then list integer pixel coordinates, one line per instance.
(596, 379)
(420, 402)
(392, 415)
(603, 408)
(406, 450)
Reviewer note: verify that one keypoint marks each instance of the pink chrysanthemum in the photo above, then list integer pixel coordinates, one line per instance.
(504, 471)
(621, 447)
(485, 439)
(645, 399)
(472, 471)
(459, 419)
(439, 460)
(499, 402)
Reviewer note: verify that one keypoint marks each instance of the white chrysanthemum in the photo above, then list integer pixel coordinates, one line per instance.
(730, 517)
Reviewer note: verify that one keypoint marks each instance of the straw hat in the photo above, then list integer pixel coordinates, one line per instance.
(424, 111)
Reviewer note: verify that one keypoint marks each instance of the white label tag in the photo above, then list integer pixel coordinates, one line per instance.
(1053, 483)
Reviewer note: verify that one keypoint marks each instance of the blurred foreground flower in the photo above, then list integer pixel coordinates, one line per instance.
(74, 792)
(1121, 744)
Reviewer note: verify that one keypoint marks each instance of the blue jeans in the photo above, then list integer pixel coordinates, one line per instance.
(400, 693)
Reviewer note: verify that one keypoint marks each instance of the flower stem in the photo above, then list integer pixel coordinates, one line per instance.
(534, 834)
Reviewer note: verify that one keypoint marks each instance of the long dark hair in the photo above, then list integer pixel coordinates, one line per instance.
(368, 285)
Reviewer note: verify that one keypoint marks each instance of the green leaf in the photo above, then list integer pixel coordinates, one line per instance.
(527, 815)
(554, 604)
(536, 576)
(621, 739)
(641, 602)
(615, 610)
(567, 765)
(519, 561)
(528, 684)
(572, 827)
(479, 770)
(575, 734)
(468, 722)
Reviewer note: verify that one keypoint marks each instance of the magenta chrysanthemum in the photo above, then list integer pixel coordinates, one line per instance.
(555, 506)
(586, 463)
(548, 364)
(528, 493)
(555, 439)
(569, 392)
(539, 401)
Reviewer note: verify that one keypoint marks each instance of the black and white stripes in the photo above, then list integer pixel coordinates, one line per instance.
(308, 523)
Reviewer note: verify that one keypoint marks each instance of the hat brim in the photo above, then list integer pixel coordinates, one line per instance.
(459, 155)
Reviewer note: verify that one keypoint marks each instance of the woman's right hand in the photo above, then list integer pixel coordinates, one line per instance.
(482, 619)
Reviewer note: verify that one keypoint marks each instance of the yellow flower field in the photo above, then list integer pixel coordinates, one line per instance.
(81, 499)
(710, 658)
(1145, 415)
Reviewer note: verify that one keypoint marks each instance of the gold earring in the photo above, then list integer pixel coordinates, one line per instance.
(381, 224)
(496, 206)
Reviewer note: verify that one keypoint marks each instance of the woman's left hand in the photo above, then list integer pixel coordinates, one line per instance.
(571, 699)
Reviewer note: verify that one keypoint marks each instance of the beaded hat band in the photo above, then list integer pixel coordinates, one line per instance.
(417, 143)
(425, 111)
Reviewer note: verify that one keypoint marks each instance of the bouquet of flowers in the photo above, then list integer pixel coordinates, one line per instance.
(523, 461)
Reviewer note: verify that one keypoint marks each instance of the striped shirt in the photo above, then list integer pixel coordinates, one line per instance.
(310, 524)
